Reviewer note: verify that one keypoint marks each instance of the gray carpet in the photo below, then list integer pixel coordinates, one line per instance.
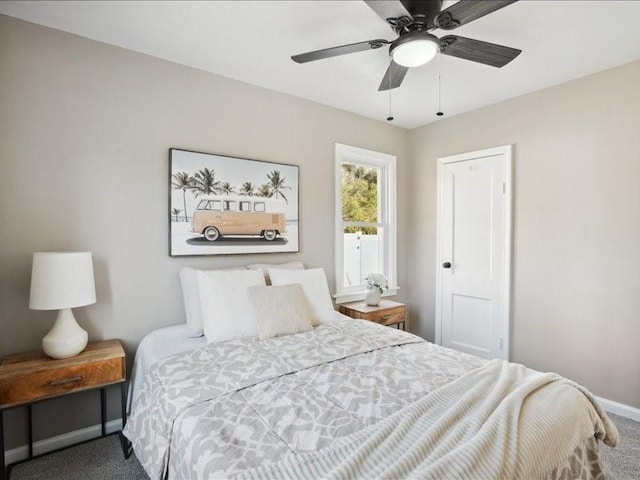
(623, 462)
(103, 460)
(100, 459)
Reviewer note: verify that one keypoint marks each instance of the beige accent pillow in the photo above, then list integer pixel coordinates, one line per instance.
(266, 266)
(226, 310)
(191, 295)
(282, 310)
(315, 288)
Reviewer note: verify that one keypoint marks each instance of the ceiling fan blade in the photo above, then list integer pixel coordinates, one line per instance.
(466, 11)
(477, 51)
(341, 50)
(393, 78)
(387, 9)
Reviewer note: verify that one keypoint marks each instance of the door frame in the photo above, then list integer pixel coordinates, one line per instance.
(507, 151)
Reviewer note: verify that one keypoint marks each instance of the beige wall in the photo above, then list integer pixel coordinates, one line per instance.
(576, 255)
(84, 138)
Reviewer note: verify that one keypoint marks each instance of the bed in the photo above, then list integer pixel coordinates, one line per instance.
(352, 399)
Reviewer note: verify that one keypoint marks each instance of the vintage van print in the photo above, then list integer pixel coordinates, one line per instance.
(221, 205)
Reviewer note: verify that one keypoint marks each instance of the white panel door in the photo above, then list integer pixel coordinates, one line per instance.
(473, 252)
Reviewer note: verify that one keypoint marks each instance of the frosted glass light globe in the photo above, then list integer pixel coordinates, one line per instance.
(413, 52)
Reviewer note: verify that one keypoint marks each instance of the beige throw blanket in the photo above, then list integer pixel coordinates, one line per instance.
(501, 421)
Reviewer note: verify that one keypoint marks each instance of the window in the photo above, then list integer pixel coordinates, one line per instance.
(258, 206)
(245, 206)
(365, 186)
(209, 205)
(230, 206)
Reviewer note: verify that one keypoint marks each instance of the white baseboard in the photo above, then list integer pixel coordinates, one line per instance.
(621, 409)
(60, 441)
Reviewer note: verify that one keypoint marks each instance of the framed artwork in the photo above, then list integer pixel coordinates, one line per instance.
(222, 205)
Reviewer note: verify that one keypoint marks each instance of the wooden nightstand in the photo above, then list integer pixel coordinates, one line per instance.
(27, 378)
(387, 312)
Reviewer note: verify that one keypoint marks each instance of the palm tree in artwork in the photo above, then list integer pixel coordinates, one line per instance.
(226, 188)
(276, 182)
(248, 189)
(205, 183)
(264, 190)
(175, 212)
(182, 181)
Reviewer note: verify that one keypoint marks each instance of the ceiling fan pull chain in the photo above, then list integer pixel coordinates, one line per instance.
(439, 114)
(390, 118)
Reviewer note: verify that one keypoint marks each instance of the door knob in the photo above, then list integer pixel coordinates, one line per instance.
(446, 265)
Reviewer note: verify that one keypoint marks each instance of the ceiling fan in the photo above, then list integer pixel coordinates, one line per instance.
(412, 20)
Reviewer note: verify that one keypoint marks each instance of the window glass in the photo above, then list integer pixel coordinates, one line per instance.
(230, 206)
(245, 206)
(258, 206)
(361, 254)
(360, 200)
(215, 205)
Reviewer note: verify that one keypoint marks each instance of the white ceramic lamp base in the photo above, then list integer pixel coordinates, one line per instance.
(66, 338)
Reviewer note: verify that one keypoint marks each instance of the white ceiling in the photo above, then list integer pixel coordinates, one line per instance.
(252, 41)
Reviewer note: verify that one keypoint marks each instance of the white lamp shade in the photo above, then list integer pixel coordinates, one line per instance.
(62, 280)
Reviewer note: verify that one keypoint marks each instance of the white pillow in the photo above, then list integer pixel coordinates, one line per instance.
(191, 295)
(266, 266)
(281, 310)
(314, 285)
(226, 309)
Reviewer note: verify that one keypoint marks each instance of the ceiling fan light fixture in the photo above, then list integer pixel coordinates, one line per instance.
(414, 50)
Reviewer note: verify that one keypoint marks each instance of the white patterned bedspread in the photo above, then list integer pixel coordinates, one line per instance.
(156, 345)
(302, 405)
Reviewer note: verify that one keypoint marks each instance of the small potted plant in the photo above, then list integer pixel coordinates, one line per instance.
(377, 283)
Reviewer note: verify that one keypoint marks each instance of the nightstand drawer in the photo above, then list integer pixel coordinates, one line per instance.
(389, 316)
(52, 382)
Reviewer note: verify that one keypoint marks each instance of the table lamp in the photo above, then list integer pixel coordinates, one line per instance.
(62, 281)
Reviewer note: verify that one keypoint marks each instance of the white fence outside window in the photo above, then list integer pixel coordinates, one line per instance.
(360, 257)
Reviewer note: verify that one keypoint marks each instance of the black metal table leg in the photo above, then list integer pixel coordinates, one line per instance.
(3, 473)
(30, 429)
(124, 441)
(123, 399)
(103, 410)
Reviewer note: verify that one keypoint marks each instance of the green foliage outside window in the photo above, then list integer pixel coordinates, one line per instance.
(359, 197)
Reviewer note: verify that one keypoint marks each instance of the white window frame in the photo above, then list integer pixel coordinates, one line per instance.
(388, 217)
